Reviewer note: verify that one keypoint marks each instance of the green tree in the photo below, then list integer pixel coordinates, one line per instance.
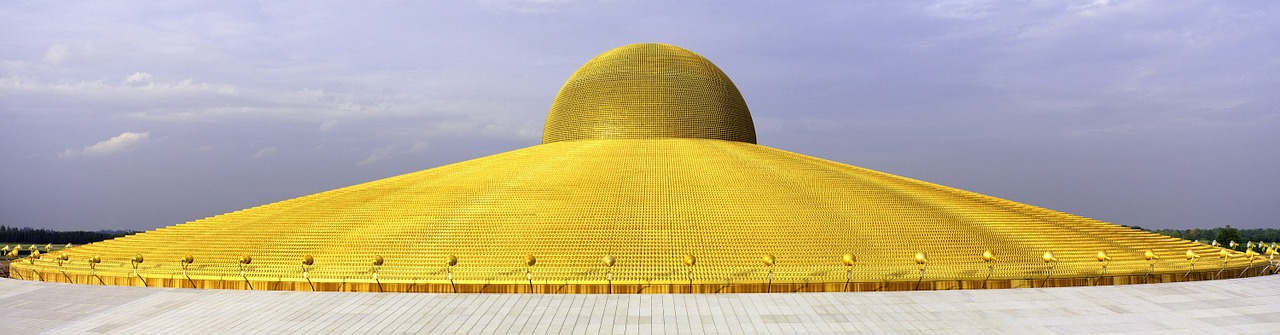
(1227, 234)
(1193, 234)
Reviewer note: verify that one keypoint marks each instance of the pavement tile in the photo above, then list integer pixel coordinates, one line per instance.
(1227, 306)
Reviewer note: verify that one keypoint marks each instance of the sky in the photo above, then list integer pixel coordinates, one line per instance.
(132, 115)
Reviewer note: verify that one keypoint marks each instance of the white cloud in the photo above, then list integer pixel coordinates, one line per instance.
(1105, 7)
(379, 155)
(12, 65)
(265, 152)
(142, 96)
(138, 78)
(964, 9)
(131, 90)
(531, 129)
(120, 143)
(328, 125)
(56, 54)
(420, 146)
(527, 6)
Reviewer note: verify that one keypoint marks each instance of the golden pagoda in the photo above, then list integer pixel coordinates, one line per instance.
(648, 180)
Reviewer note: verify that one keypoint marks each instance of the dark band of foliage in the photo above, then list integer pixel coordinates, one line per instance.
(42, 236)
(1224, 235)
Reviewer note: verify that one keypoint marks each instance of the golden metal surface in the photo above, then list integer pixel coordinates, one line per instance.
(647, 91)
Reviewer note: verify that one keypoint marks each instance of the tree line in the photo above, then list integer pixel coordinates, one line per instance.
(1223, 235)
(44, 236)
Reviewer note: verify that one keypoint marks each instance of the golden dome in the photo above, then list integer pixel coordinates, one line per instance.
(641, 91)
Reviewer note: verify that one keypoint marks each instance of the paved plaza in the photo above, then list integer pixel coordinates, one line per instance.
(1236, 306)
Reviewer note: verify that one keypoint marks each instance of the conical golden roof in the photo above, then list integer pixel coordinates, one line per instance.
(612, 203)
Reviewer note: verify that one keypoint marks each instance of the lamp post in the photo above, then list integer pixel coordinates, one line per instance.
(608, 272)
(1106, 261)
(137, 260)
(31, 260)
(245, 260)
(1251, 255)
(449, 262)
(62, 257)
(768, 261)
(989, 258)
(1192, 257)
(1050, 261)
(689, 261)
(1271, 257)
(307, 262)
(529, 261)
(377, 264)
(1226, 256)
(11, 255)
(93, 266)
(923, 260)
(1152, 258)
(848, 261)
(186, 261)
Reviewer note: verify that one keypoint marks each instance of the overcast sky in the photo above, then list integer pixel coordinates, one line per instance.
(1160, 114)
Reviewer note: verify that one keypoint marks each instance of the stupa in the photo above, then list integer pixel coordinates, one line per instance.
(648, 180)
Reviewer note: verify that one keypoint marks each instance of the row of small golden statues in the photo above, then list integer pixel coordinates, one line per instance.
(921, 258)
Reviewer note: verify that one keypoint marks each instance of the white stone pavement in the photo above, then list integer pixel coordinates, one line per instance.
(1237, 306)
